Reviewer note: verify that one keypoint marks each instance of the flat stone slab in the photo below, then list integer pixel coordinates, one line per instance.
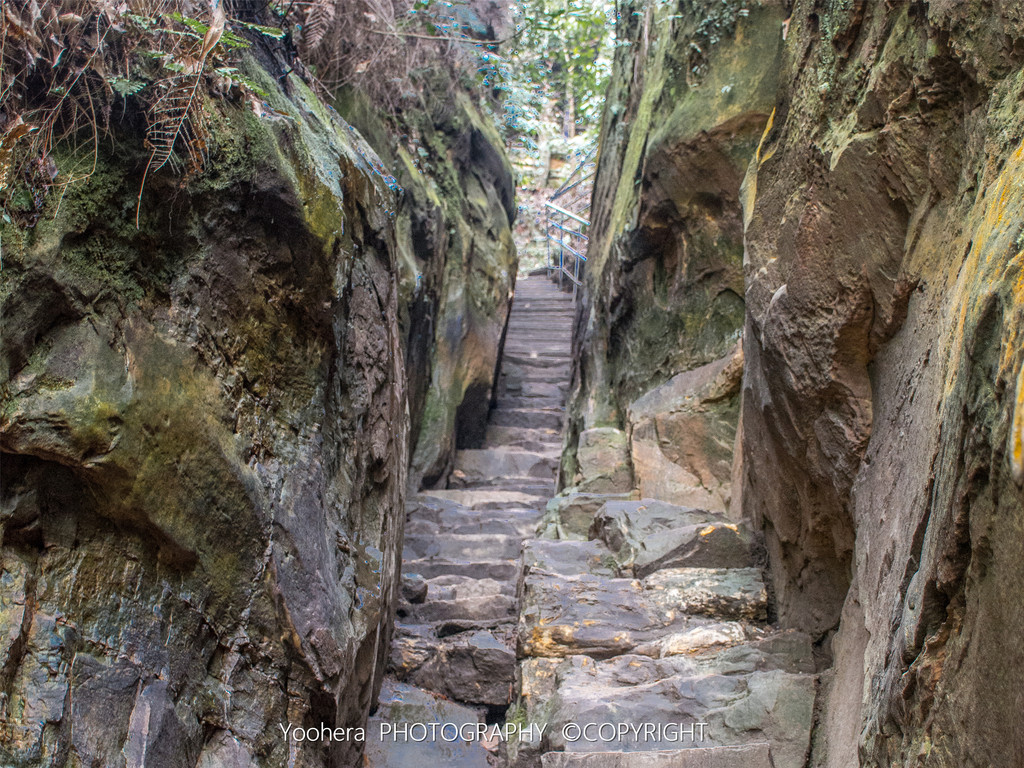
(401, 703)
(743, 756)
(569, 557)
(601, 617)
(748, 693)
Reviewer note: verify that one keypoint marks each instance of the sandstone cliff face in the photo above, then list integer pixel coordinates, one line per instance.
(881, 398)
(457, 266)
(881, 226)
(458, 273)
(691, 91)
(204, 438)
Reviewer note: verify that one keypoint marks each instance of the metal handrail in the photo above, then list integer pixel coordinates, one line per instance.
(571, 241)
(570, 214)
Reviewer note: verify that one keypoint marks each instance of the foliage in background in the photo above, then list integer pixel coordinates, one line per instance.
(559, 64)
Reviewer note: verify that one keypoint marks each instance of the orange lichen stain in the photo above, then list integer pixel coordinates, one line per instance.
(764, 136)
(708, 531)
(1017, 433)
(589, 622)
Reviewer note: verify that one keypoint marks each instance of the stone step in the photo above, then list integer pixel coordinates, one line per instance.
(475, 609)
(496, 526)
(511, 522)
(475, 667)
(480, 499)
(512, 385)
(514, 374)
(533, 351)
(449, 515)
(741, 756)
(485, 464)
(512, 402)
(542, 489)
(481, 546)
(499, 570)
(672, 611)
(458, 586)
(531, 418)
(561, 362)
(401, 703)
(750, 693)
(530, 439)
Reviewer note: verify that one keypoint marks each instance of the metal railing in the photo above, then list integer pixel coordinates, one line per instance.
(566, 243)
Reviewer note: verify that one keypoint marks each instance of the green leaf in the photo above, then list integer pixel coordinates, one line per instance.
(274, 32)
(125, 87)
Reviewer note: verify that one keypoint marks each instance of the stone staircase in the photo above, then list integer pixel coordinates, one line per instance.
(648, 635)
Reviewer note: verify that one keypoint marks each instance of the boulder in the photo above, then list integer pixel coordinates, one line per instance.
(649, 535)
(682, 435)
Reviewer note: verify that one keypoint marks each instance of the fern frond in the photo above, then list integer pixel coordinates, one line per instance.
(319, 20)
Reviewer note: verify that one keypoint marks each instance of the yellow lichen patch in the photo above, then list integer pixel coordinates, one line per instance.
(1017, 433)
(707, 531)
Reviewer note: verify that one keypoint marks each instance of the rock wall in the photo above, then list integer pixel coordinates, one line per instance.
(457, 265)
(881, 397)
(204, 438)
(865, 160)
(691, 91)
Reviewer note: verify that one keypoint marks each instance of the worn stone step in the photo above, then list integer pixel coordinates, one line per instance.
(513, 375)
(534, 354)
(511, 522)
(672, 611)
(569, 558)
(533, 418)
(402, 703)
(499, 570)
(739, 756)
(482, 546)
(479, 526)
(529, 485)
(481, 499)
(485, 464)
(753, 692)
(450, 516)
(459, 586)
(477, 609)
(523, 437)
(561, 362)
(531, 388)
(509, 402)
(475, 667)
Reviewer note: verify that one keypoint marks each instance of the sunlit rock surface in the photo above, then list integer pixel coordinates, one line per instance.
(204, 447)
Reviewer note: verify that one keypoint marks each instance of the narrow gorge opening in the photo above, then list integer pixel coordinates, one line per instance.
(527, 384)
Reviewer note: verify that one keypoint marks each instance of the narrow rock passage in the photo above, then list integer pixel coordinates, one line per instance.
(644, 644)
(455, 634)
